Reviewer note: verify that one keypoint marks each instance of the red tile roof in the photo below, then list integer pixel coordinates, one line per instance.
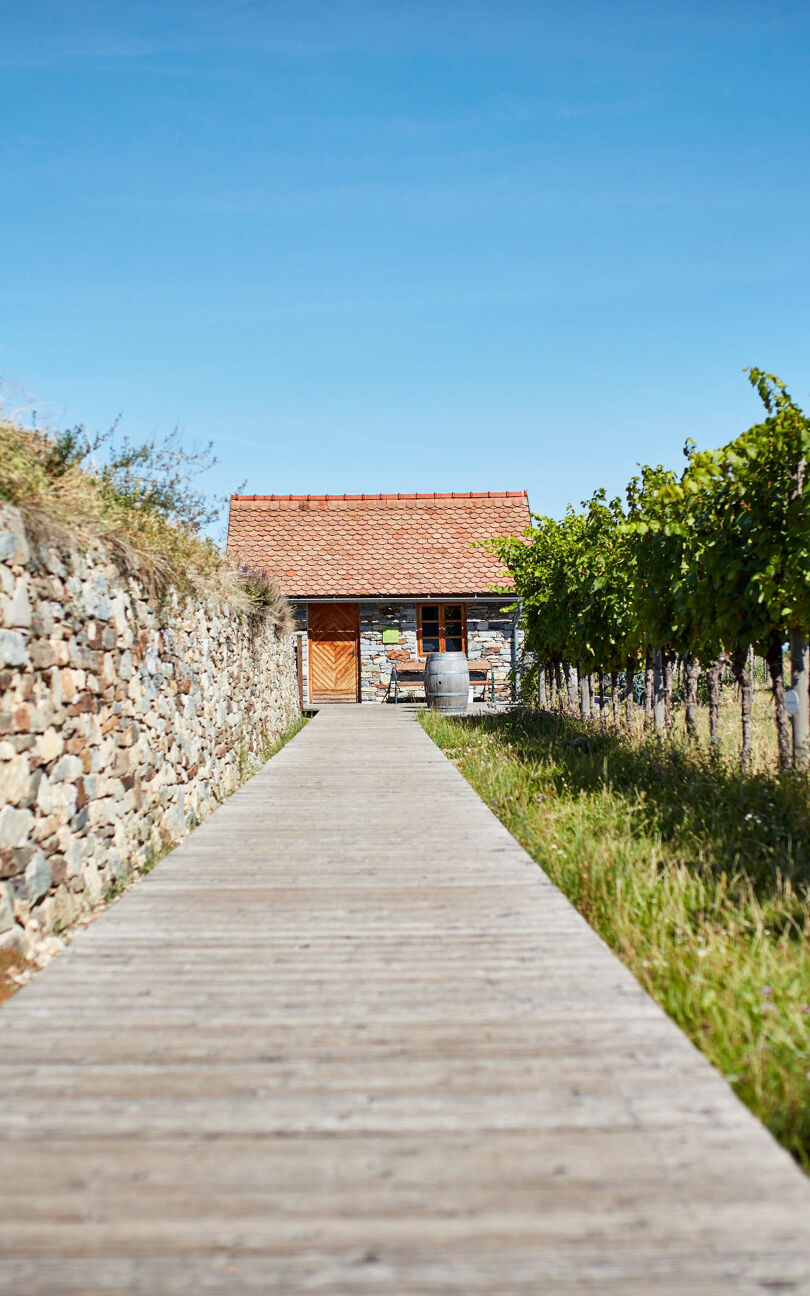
(327, 546)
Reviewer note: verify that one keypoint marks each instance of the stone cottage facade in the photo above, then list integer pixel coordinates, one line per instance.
(378, 581)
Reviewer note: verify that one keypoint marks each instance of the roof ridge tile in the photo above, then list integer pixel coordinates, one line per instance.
(373, 498)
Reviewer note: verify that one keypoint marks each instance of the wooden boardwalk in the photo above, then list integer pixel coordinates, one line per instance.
(348, 1039)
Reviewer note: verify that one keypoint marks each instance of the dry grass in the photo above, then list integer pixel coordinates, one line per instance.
(697, 876)
(764, 750)
(66, 503)
(15, 971)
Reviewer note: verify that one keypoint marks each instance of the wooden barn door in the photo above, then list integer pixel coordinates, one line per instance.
(334, 634)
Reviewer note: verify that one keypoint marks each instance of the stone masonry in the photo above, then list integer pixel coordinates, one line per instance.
(489, 638)
(124, 720)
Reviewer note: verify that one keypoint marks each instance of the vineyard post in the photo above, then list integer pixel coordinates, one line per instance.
(648, 691)
(573, 687)
(558, 678)
(692, 667)
(800, 682)
(629, 699)
(776, 667)
(740, 665)
(715, 671)
(614, 698)
(659, 698)
(584, 696)
(669, 670)
(798, 654)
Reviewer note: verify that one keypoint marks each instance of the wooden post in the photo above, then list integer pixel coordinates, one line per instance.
(299, 668)
(715, 674)
(516, 662)
(692, 676)
(630, 680)
(799, 681)
(669, 670)
(584, 696)
(659, 697)
(798, 659)
(572, 684)
(558, 677)
(740, 664)
(776, 668)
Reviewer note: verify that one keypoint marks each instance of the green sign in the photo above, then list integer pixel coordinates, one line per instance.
(391, 634)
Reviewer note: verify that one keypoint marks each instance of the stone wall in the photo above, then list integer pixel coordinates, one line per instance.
(124, 720)
(376, 658)
(489, 638)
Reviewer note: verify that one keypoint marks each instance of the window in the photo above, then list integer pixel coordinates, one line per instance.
(441, 627)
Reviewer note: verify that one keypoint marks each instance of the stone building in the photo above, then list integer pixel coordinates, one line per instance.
(378, 581)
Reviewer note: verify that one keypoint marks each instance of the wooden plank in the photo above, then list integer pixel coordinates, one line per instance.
(331, 1044)
(299, 668)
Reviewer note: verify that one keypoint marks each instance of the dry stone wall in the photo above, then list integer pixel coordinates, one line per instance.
(124, 720)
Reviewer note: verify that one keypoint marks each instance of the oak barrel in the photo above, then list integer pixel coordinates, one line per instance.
(447, 682)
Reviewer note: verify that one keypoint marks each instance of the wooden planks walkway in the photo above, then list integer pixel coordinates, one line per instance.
(348, 1039)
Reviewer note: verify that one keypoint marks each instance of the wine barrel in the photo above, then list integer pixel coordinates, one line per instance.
(447, 682)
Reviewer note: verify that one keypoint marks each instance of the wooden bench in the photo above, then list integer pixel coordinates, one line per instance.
(410, 674)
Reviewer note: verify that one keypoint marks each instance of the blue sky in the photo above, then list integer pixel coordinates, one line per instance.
(406, 246)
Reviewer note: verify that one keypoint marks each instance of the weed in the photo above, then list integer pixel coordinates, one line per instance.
(247, 765)
(117, 888)
(152, 857)
(272, 745)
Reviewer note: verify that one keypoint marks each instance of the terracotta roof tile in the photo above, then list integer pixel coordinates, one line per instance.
(322, 545)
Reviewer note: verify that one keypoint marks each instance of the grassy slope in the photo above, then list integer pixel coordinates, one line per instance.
(64, 502)
(695, 875)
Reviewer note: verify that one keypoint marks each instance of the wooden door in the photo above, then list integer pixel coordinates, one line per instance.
(334, 635)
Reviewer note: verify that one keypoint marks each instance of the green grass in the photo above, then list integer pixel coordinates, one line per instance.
(248, 763)
(121, 884)
(697, 876)
(272, 745)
